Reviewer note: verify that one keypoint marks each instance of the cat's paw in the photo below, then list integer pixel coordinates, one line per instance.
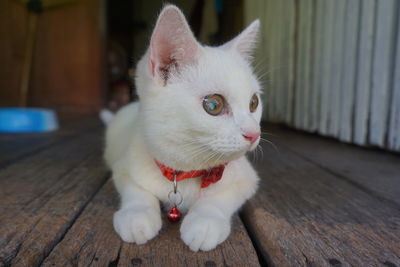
(137, 225)
(204, 232)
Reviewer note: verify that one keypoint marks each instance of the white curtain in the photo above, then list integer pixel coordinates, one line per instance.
(331, 67)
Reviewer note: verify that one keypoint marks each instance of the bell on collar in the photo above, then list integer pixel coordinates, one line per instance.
(174, 215)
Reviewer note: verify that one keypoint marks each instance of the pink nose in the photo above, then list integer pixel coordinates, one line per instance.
(252, 137)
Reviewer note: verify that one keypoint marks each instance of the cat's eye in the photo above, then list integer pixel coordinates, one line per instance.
(213, 104)
(253, 103)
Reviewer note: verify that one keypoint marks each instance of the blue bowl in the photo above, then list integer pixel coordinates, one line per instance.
(27, 120)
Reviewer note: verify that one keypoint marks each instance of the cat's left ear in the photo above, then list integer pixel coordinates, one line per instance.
(245, 42)
(172, 44)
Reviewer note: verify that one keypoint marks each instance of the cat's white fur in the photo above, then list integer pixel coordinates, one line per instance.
(169, 124)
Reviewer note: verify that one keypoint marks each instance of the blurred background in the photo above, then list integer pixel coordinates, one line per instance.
(327, 67)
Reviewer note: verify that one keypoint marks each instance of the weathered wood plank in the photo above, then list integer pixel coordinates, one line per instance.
(237, 250)
(91, 241)
(349, 70)
(382, 70)
(99, 245)
(376, 171)
(304, 215)
(17, 146)
(41, 196)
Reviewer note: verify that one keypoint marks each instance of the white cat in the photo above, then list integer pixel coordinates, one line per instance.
(199, 108)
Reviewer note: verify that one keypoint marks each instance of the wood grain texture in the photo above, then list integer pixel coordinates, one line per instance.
(91, 241)
(13, 31)
(382, 70)
(376, 171)
(13, 147)
(69, 66)
(42, 195)
(99, 245)
(304, 215)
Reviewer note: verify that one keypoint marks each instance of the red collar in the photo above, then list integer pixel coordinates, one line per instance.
(207, 176)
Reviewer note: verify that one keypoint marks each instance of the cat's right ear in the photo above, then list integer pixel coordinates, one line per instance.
(172, 44)
(245, 42)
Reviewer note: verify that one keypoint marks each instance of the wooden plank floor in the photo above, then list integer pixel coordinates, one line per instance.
(57, 202)
(320, 203)
(324, 203)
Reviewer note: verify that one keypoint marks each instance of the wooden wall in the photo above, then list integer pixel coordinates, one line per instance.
(13, 22)
(332, 67)
(68, 71)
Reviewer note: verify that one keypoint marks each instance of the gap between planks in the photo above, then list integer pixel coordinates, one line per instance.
(99, 244)
(42, 195)
(17, 147)
(307, 216)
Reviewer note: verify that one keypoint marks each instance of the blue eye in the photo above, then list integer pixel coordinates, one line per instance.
(213, 104)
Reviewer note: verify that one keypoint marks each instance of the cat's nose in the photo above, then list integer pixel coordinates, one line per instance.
(252, 137)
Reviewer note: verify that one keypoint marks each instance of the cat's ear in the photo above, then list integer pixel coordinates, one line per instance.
(172, 44)
(245, 43)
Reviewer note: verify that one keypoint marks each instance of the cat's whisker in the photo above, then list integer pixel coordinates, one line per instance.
(259, 153)
(271, 143)
(208, 158)
(199, 154)
(261, 150)
(198, 151)
(260, 62)
(254, 154)
(177, 121)
(201, 150)
(219, 158)
(260, 76)
(188, 144)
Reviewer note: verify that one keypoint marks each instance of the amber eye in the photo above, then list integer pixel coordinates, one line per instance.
(253, 103)
(213, 104)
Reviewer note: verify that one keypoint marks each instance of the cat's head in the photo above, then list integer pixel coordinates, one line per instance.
(200, 105)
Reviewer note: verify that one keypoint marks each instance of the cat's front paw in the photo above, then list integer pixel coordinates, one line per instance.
(136, 225)
(204, 232)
